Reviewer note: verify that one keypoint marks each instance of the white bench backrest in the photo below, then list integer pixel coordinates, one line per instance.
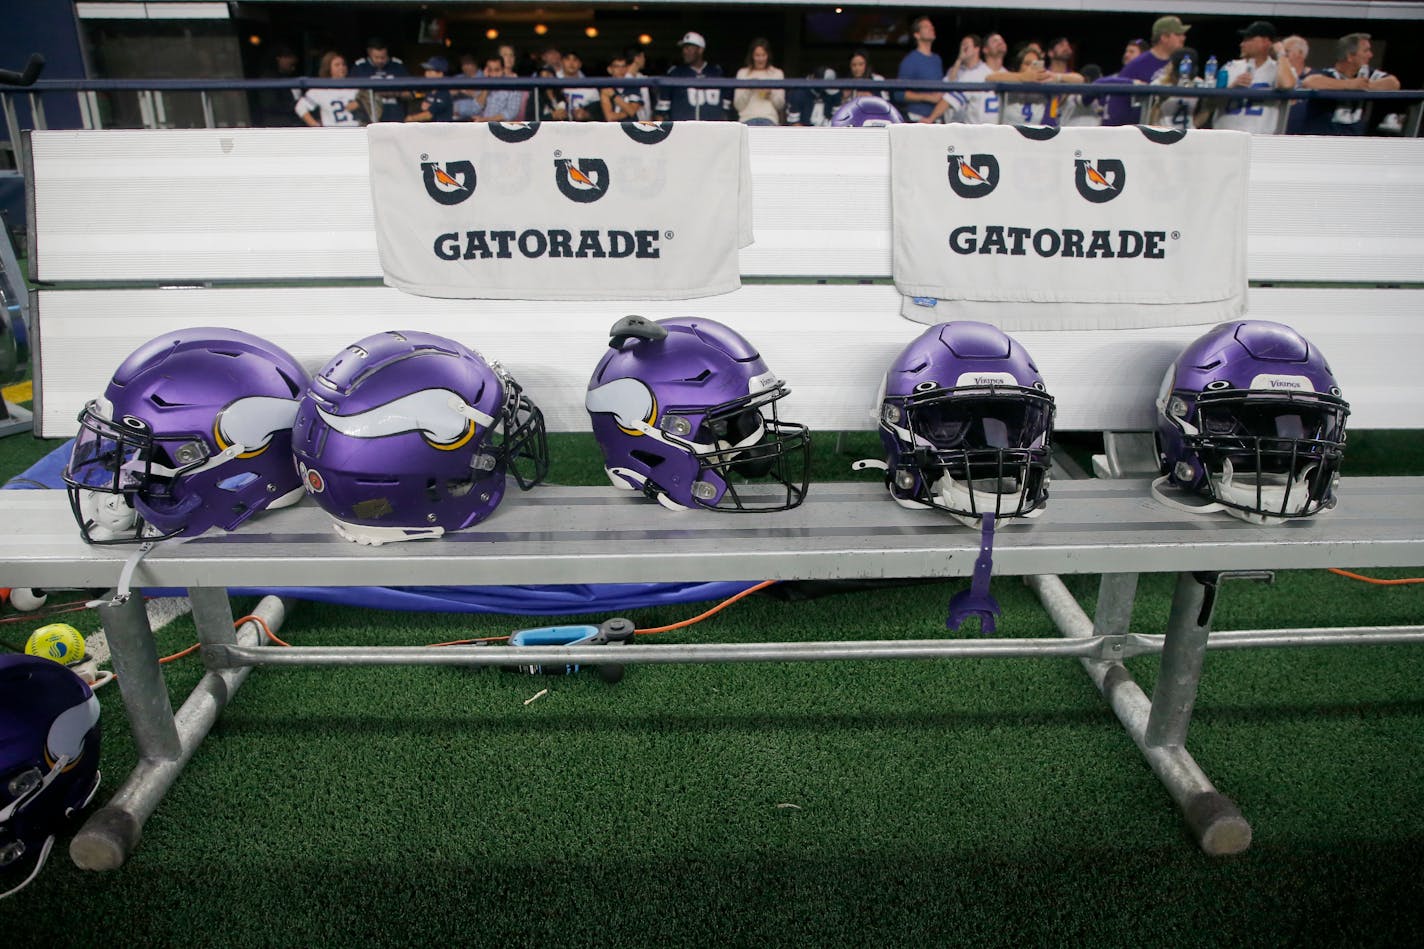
(271, 205)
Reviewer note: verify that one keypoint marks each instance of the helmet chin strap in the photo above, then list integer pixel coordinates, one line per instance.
(1277, 492)
(1226, 486)
(958, 494)
(39, 865)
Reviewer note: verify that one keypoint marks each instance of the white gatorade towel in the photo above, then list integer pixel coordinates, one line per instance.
(1035, 228)
(561, 210)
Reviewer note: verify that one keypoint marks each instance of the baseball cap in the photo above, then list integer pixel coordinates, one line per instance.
(1168, 24)
(1259, 28)
(692, 39)
(436, 62)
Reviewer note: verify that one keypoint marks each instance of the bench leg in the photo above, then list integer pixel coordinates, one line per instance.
(165, 741)
(1214, 819)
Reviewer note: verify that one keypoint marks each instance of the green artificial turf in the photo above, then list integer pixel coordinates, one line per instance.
(983, 802)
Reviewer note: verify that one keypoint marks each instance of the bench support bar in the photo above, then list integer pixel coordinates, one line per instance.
(165, 742)
(1214, 819)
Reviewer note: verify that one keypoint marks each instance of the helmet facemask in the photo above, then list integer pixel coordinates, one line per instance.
(971, 451)
(1265, 455)
(121, 478)
(743, 444)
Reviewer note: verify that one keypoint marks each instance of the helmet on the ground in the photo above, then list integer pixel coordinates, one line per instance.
(49, 761)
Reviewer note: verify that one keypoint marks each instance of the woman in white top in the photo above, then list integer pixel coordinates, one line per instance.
(337, 107)
(860, 69)
(759, 106)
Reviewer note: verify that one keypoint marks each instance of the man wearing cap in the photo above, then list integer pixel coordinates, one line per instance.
(1352, 70)
(1169, 34)
(378, 63)
(1261, 66)
(435, 105)
(694, 105)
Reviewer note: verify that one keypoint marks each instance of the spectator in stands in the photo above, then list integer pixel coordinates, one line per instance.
(578, 104)
(972, 107)
(1181, 112)
(378, 63)
(273, 107)
(637, 59)
(1134, 49)
(1352, 70)
(509, 59)
(468, 102)
(550, 65)
(1169, 34)
(759, 106)
(1060, 57)
(1080, 110)
(495, 105)
(814, 105)
(336, 107)
(1258, 68)
(1030, 108)
(995, 49)
(684, 104)
(1297, 50)
(860, 69)
(620, 103)
(434, 105)
(920, 63)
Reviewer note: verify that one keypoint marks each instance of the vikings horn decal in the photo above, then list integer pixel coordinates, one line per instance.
(252, 422)
(629, 401)
(438, 414)
(66, 735)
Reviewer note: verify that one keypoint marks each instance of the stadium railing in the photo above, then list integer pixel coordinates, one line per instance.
(135, 233)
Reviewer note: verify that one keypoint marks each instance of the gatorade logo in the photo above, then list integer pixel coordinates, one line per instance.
(974, 177)
(584, 180)
(1100, 181)
(449, 185)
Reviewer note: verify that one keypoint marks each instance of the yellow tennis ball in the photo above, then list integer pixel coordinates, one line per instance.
(58, 641)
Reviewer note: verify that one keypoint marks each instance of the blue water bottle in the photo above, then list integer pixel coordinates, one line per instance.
(1185, 69)
(1223, 78)
(1209, 72)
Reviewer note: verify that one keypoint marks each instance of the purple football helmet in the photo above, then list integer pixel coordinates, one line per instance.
(967, 424)
(49, 761)
(193, 432)
(685, 410)
(1250, 417)
(867, 110)
(407, 435)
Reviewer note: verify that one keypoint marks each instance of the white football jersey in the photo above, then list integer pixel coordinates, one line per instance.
(1247, 115)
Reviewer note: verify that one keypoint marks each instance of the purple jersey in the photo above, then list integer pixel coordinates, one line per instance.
(1126, 110)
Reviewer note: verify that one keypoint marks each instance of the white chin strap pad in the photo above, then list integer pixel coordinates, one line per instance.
(1273, 493)
(108, 514)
